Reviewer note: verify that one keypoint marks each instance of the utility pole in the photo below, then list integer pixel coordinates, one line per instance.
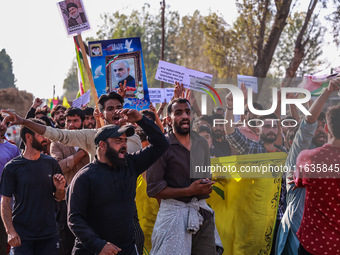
(163, 33)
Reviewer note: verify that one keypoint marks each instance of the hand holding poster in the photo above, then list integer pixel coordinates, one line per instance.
(249, 81)
(171, 73)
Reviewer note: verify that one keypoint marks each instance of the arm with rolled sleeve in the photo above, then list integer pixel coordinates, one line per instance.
(78, 198)
(240, 142)
(83, 138)
(155, 177)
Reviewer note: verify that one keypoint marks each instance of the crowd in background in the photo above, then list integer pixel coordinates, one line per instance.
(309, 206)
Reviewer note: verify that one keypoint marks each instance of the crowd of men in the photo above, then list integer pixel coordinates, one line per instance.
(70, 187)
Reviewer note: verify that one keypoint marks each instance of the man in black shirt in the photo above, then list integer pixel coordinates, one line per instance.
(35, 181)
(101, 195)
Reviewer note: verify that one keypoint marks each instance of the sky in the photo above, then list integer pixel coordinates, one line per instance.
(33, 35)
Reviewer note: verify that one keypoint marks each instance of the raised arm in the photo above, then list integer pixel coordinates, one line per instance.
(15, 119)
(158, 144)
(318, 104)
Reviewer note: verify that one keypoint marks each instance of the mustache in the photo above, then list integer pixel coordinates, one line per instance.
(321, 134)
(184, 120)
(122, 150)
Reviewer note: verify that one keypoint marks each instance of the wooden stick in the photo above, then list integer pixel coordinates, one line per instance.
(89, 74)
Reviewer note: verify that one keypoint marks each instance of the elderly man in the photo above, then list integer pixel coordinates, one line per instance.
(101, 196)
(121, 72)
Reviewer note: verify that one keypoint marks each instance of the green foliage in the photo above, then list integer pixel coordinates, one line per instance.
(71, 86)
(313, 49)
(7, 79)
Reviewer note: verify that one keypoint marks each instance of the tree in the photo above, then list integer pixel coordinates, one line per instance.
(71, 86)
(306, 57)
(7, 79)
(146, 26)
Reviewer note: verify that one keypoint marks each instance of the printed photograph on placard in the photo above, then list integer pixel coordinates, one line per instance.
(74, 16)
(120, 62)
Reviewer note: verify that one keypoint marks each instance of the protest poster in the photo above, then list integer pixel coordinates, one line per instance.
(169, 93)
(74, 16)
(159, 95)
(118, 60)
(82, 100)
(170, 73)
(156, 95)
(249, 81)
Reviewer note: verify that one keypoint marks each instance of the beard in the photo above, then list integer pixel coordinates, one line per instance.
(316, 139)
(217, 134)
(122, 78)
(183, 131)
(265, 138)
(89, 126)
(61, 122)
(74, 15)
(113, 156)
(38, 146)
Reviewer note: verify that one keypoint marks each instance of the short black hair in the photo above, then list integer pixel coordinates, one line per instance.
(73, 111)
(151, 115)
(218, 108)
(205, 118)
(42, 111)
(204, 128)
(176, 100)
(24, 130)
(256, 105)
(216, 116)
(322, 116)
(106, 97)
(269, 116)
(88, 110)
(56, 108)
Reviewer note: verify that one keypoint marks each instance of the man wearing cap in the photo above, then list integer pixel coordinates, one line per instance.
(101, 195)
(75, 16)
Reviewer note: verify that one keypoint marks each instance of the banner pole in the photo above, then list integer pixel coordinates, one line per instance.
(89, 74)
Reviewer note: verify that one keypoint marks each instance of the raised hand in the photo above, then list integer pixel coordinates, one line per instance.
(12, 117)
(36, 103)
(334, 85)
(130, 115)
(178, 92)
(152, 108)
(122, 89)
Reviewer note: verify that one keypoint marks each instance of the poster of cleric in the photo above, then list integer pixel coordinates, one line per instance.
(120, 61)
(74, 16)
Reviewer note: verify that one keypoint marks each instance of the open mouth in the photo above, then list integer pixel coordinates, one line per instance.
(185, 124)
(121, 153)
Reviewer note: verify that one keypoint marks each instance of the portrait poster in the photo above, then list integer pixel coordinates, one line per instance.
(118, 60)
(74, 16)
